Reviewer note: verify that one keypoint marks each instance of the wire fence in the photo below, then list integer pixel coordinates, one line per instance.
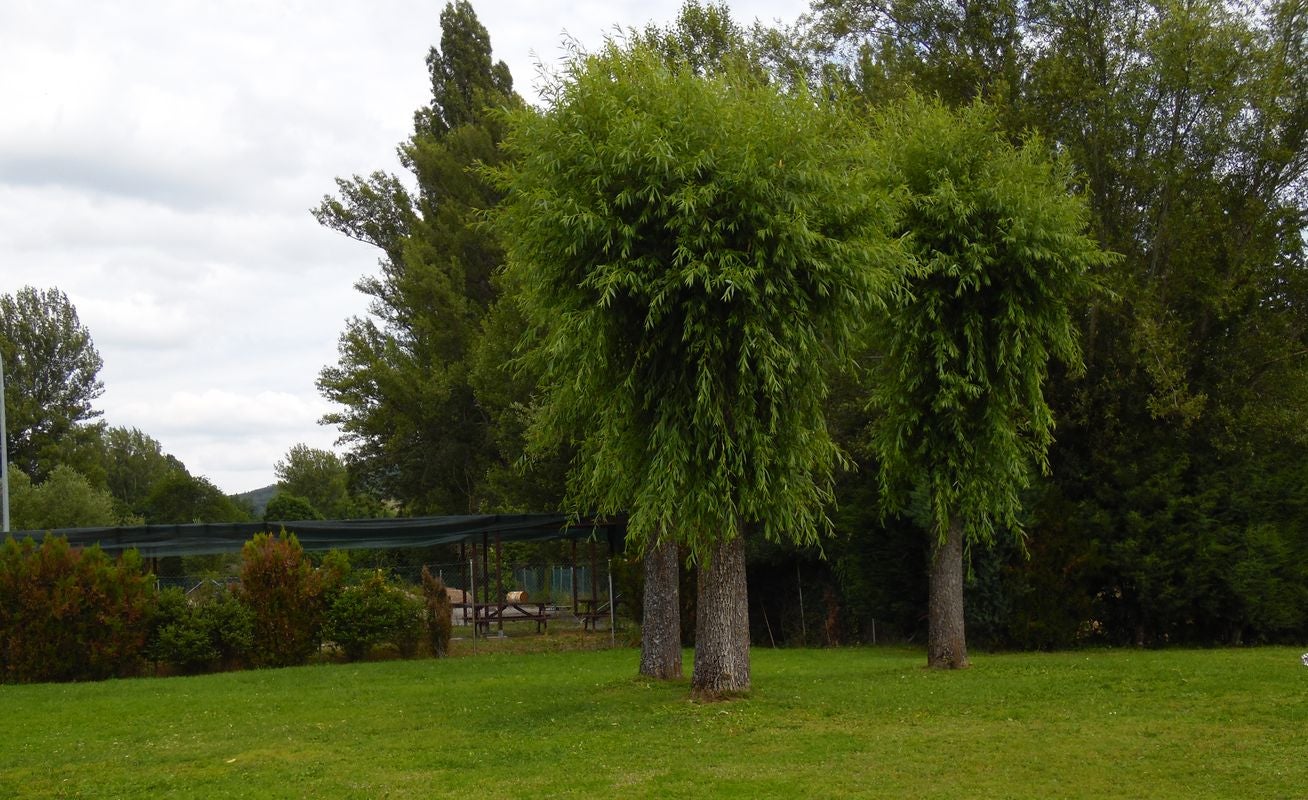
(582, 590)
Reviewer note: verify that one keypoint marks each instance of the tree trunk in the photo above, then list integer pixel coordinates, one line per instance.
(660, 640)
(722, 624)
(946, 643)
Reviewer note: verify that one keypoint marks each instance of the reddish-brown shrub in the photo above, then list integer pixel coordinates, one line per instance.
(286, 596)
(438, 616)
(71, 614)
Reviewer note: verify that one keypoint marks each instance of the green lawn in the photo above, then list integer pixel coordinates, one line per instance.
(821, 723)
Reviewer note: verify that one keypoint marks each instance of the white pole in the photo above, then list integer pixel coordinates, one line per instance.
(4, 457)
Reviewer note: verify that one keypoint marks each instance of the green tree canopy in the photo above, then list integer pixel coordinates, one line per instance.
(691, 253)
(51, 371)
(134, 462)
(319, 478)
(179, 498)
(998, 261)
(286, 506)
(408, 409)
(464, 81)
(955, 51)
(1189, 121)
(65, 499)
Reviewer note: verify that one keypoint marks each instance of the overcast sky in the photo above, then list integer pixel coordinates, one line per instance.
(157, 163)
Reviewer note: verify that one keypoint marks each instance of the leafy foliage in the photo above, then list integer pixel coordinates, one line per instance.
(1198, 383)
(957, 52)
(464, 82)
(370, 613)
(216, 629)
(65, 499)
(51, 372)
(287, 596)
(1186, 123)
(70, 614)
(998, 257)
(180, 498)
(286, 506)
(694, 251)
(134, 464)
(319, 477)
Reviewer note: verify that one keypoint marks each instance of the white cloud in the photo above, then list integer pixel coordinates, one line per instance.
(236, 435)
(224, 413)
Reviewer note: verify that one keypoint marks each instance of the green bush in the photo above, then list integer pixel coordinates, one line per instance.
(212, 630)
(438, 610)
(230, 625)
(69, 614)
(287, 506)
(285, 596)
(171, 607)
(186, 645)
(371, 613)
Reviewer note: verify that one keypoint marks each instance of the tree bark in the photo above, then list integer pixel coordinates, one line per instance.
(660, 640)
(946, 642)
(722, 624)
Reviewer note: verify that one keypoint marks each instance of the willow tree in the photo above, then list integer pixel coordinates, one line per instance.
(691, 253)
(997, 251)
(704, 39)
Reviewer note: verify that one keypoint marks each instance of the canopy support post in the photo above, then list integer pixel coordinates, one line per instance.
(465, 567)
(485, 567)
(499, 580)
(594, 578)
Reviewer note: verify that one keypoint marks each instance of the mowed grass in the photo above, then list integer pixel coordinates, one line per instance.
(863, 722)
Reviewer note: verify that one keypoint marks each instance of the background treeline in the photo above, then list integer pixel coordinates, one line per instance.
(1176, 505)
(69, 468)
(1175, 509)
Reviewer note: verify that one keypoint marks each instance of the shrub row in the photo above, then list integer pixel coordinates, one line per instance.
(69, 614)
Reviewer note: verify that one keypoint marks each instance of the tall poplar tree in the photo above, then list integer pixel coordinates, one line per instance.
(691, 253)
(409, 412)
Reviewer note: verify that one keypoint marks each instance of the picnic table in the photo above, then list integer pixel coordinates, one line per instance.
(485, 614)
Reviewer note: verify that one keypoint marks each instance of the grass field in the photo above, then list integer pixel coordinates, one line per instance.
(821, 723)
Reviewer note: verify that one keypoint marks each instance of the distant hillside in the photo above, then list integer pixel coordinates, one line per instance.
(258, 499)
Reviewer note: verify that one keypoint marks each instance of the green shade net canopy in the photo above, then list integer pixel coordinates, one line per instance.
(155, 541)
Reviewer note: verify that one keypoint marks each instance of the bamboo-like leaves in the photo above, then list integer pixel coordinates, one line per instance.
(998, 257)
(693, 252)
